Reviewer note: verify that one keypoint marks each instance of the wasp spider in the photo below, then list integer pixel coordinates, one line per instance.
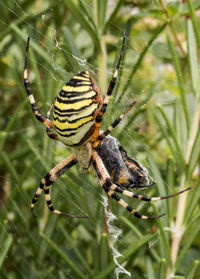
(77, 115)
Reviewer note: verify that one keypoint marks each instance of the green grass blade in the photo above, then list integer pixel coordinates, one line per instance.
(172, 134)
(192, 203)
(64, 257)
(47, 272)
(134, 228)
(11, 123)
(28, 19)
(177, 277)
(8, 163)
(194, 156)
(34, 67)
(180, 83)
(193, 59)
(191, 273)
(70, 41)
(126, 254)
(170, 181)
(104, 254)
(150, 269)
(167, 137)
(77, 252)
(17, 155)
(158, 177)
(86, 8)
(164, 244)
(5, 247)
(130, 225)
(162, 269)
(101, 13)
(34, 46)
(39, 50)
(193, 233)
(179, 125)
(76, 13)
(194, 22)
(113, 15)
(142, 55)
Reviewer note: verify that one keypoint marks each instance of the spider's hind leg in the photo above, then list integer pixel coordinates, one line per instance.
(109, 187)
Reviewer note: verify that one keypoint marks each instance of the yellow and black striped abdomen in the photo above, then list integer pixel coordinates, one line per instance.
(75, 109)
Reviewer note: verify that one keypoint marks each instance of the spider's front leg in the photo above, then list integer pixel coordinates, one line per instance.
(109, 186)
(49, 179)
(45, 120)
(111, 86)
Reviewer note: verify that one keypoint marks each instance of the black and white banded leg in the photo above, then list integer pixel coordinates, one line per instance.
(48, 123)
(48, 129)
(113, 125)
(111, 86)
(142, 197)
(107, 185)
(49, 179)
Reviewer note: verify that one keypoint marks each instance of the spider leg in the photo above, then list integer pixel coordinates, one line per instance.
(48, 129)
(107, 185)
(39, 116)
(144, 198)
(113, 125)
(111, 86)
(49, 179)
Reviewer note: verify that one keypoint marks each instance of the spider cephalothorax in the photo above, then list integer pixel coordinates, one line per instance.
(77, 115)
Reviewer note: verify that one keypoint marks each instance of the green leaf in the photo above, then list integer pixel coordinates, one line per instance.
(192, 270)
(162, 269)
(126, 254)
(193, 59)
(194, 156)
(193, 233)
(142, 55)
(75, 249)
(5, 247)
(180, 83)
(113, 15)
(104, 251)
(179, 126)
(70, 42)
(64, 256)
(130, 226)
(161, 50)
(76, 13)
(164, 244)
(194, 22)
(167, 137)
(173, 136)
(150, 269)
(101, 13)
(192, 203)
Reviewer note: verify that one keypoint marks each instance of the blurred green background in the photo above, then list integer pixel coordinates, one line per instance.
(160, 69)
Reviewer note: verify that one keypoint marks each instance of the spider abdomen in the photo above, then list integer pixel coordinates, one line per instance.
(75, 109)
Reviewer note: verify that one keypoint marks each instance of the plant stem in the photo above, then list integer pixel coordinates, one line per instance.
(172, 27)
(181, 208)
(102, 60)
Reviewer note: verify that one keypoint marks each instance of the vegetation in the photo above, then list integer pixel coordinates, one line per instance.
(161, 70)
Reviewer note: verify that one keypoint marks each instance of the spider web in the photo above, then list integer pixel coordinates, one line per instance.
(22, 192)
